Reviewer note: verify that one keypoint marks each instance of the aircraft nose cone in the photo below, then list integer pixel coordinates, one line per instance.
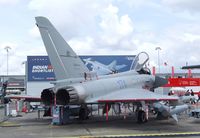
(159, 81)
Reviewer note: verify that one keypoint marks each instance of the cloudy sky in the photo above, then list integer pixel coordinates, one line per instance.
(103, 27)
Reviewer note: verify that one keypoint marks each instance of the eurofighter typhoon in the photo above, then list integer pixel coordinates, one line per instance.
(75, 85)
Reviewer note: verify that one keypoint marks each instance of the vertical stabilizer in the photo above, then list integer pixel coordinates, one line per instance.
(65, 62)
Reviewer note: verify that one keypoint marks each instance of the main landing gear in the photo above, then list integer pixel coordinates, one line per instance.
(142, 113)
(141, 116)
(83, 113)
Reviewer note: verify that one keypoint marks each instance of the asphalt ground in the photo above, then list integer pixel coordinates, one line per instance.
(29, 126)
(2, 113)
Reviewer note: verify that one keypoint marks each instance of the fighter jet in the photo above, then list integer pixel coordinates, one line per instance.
(75, 85)
(102, 69)
(191, 67)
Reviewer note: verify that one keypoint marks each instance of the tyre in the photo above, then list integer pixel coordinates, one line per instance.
(141, 118)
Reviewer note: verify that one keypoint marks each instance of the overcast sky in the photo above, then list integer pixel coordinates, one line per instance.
(103, 27)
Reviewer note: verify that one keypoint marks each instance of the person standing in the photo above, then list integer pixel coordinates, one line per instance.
(198, 96)
(192, 97)
(192, 93)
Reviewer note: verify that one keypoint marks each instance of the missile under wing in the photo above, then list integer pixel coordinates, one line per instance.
(73, 87)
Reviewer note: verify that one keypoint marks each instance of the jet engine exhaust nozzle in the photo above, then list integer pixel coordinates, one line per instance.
(66, 96)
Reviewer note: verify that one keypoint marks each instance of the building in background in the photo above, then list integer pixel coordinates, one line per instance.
(15, 83)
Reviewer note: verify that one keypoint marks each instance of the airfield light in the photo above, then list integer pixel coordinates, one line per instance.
(7, 48)
(158, 49)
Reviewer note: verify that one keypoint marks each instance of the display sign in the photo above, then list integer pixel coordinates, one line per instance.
(182, 82)
(40, 69)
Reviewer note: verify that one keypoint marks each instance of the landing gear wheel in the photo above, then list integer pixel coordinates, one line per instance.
(83, 114)
(141, 117)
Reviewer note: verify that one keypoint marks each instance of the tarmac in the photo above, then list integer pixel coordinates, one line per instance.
(2, 113)
(30, 126)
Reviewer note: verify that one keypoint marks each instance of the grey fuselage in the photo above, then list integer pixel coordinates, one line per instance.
(90, 91)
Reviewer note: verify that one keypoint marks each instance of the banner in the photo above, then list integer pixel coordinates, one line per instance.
(40, 69)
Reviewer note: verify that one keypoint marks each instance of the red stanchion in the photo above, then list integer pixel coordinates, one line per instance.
(172, 71)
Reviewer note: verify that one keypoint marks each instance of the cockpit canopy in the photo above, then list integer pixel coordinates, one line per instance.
(139, 63)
